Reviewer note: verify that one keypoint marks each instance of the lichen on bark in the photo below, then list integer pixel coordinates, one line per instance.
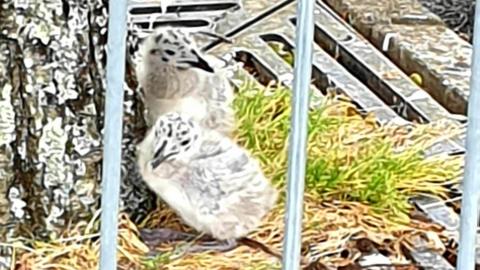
(52, 88)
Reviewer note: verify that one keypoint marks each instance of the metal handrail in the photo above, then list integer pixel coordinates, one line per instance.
(112, 147)
(297, 155)
(471, 183)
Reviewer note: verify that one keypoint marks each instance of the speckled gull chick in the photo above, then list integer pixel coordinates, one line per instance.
(174, 76)
(213, 184)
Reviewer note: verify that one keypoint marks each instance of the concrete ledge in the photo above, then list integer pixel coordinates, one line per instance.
(417, 41)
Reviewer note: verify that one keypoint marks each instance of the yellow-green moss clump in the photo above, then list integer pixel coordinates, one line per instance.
(350, 157)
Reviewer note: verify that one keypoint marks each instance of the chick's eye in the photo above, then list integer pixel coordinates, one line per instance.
(183, 143)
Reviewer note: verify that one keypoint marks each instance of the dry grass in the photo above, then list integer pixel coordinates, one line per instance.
(328, 229)
(359, 178)
(79, 249)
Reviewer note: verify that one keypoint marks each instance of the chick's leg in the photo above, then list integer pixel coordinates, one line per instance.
(218, 246)
(153, 237)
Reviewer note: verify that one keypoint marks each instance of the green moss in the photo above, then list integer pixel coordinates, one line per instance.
(157, 261)
(349, 158)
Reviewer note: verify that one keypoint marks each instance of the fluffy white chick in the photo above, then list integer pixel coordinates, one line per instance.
(213, 184)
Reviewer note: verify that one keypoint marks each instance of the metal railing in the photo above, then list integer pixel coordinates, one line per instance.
(298, 134)
(297, 144)
(112, 147)
(471, 183)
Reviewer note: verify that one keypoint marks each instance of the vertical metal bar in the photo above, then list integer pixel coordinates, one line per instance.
(471, 182)
(164, 4)
(298, 134)
(112, 147)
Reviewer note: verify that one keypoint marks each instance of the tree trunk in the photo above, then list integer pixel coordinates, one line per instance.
(52, 87)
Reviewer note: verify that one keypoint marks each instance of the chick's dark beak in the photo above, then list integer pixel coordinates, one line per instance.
(201, 64)
(158, 156)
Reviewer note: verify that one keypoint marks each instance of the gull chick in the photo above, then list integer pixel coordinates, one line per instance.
(175, 77)
(213, 184)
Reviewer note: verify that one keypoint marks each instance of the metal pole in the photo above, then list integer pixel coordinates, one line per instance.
(471, 182)
(112, 147)
(298, 134)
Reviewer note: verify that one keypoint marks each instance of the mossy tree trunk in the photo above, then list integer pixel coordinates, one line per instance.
(52, 86)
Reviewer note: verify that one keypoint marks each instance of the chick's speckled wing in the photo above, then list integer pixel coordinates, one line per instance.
(230, 180)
